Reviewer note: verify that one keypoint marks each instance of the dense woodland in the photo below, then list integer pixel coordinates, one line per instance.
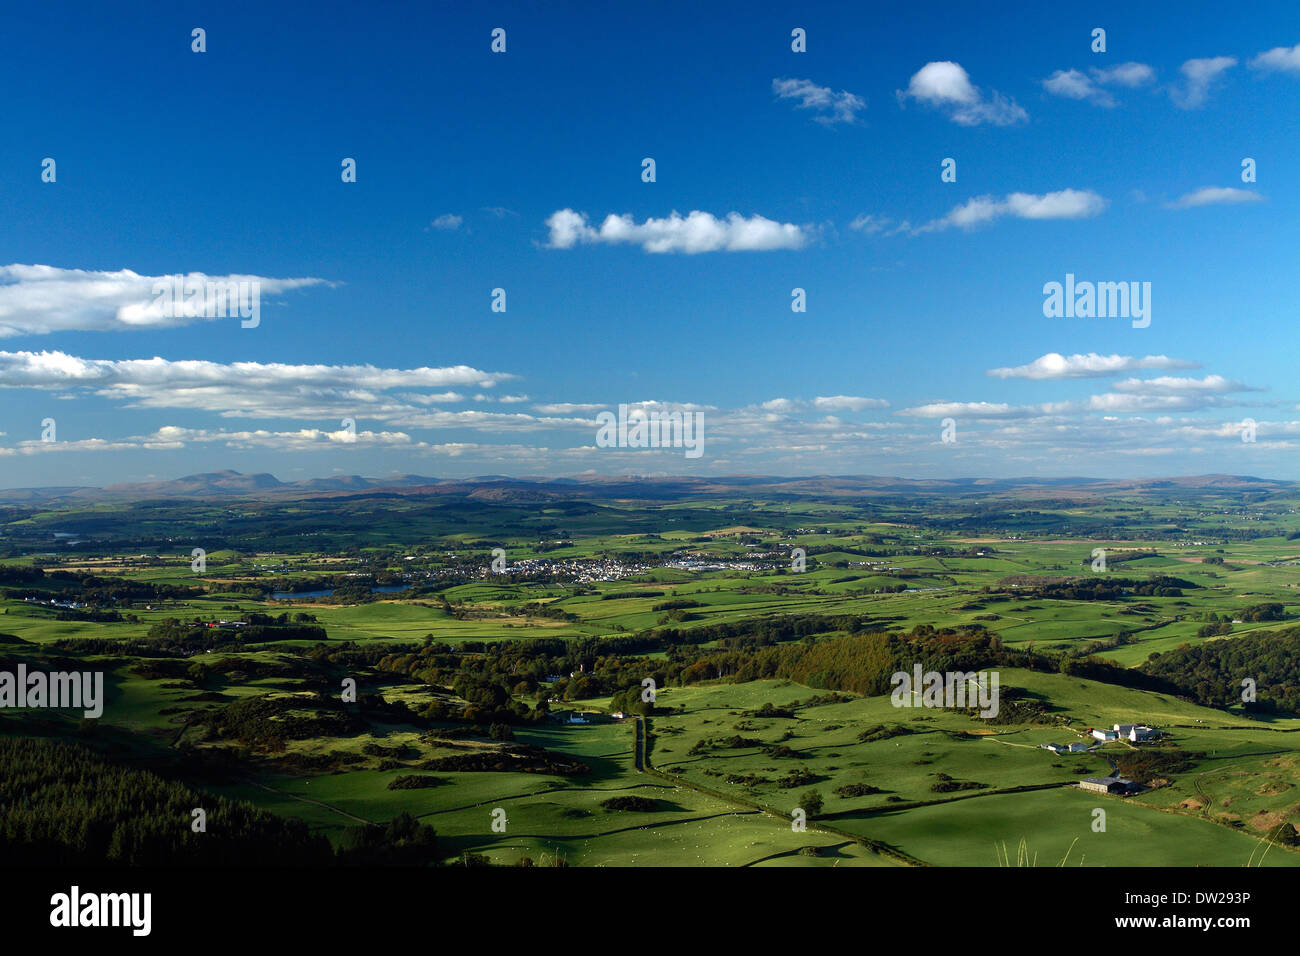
(1212, 673)
(63, 805)
(60, 804)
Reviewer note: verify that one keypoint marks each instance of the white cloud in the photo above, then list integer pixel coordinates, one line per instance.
(302, 439)
(571, 408)
(1214, 195)
(434, 398)
(945, 85)
(694, 233)
(1157, 401)
(590, 408)
(1170, 398)
(1063, 204)
(849, 403)
(1280, 59)
(1131, 75)
(942, 82)
(447, 222)
(832, 107)
(656, 405)
(1169, 385)
(56, 369)
(37, 299)
(1077, 85)
(172, 437)
(1054, 365)
(1198, 76)
(870, 224)
(88, 444)
(967, 410)
(822, 403)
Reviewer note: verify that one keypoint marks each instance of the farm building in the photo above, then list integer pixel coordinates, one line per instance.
(1135, 732)
(1115, 785)
(1075, 748)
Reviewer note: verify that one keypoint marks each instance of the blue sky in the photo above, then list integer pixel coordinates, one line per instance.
(479, 170)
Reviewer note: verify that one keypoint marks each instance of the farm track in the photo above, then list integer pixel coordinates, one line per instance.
(1207, 801)
(1199, 786)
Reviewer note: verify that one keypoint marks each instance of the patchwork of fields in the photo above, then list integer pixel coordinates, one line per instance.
(695, 592)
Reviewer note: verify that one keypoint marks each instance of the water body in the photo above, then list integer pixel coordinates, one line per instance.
(329, 592)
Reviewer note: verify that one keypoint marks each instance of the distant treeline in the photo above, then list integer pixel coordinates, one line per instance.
(85, 588)
(258, 629)
(1099, 587)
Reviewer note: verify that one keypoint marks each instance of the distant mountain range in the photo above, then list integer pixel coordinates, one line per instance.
(233, 484)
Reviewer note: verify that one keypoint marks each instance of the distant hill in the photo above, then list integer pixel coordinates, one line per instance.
(500, 488)
(212, 483)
